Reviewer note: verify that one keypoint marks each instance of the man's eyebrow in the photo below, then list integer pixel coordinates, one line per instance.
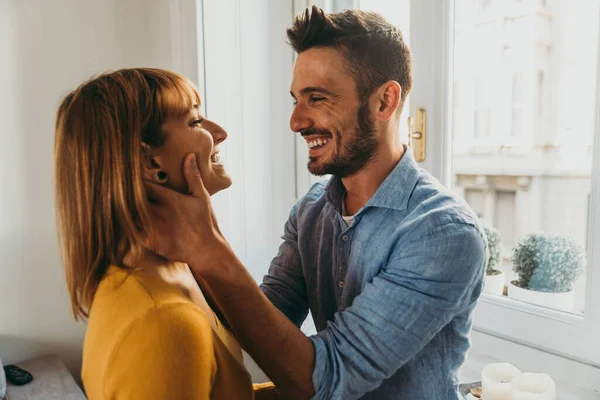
(313, 89)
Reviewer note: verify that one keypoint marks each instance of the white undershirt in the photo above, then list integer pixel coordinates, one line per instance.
(348, 218)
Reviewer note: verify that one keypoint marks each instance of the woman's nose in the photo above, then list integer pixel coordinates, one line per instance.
(218, 133)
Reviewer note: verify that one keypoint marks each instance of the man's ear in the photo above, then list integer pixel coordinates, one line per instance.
(151, 164)
(385, 100)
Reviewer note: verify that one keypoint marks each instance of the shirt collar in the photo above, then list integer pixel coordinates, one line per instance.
(393, 193)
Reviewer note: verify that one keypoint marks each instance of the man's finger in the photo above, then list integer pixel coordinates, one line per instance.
(193, 176)
(158, 193)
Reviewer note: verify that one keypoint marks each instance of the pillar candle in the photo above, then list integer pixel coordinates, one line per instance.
(496, 379)
(531, 386)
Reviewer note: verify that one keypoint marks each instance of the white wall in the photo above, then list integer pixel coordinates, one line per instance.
(46, 49)
(248, 69)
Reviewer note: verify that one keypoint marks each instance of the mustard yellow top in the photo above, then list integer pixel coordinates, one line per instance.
(147, 340)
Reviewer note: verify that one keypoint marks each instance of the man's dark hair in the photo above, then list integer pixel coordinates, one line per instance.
(374, 50)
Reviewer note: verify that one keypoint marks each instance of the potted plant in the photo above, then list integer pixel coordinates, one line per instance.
(547, 266)
(494, 278)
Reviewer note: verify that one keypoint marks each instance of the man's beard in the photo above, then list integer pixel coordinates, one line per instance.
(346, 159)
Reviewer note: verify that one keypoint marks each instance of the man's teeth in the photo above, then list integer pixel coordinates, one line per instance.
(215, 158)
(318, 142)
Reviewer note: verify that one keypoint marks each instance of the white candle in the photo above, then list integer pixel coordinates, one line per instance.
(533, 387)
(495, 381)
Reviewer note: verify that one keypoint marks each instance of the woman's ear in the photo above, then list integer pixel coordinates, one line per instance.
(152, 170)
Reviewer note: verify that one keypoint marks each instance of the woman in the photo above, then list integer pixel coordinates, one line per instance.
(151, 332)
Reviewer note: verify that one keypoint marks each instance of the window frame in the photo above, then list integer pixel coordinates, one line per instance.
(568, 335)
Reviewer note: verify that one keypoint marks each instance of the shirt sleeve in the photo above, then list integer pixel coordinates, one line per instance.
(424, 285)
(284, 285)
(166, 354)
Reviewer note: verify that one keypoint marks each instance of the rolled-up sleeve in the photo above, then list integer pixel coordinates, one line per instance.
(424, 285)
(284, 285)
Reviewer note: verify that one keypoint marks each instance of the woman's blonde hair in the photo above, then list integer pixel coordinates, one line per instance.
(104, 130)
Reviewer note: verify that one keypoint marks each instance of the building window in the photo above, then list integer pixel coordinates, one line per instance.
(505, 216)
(516, 126)
(476, 199)
(481, 117)
(540, 92)
(517, 105)
(482, 123)
(484, 5)
(517, 87)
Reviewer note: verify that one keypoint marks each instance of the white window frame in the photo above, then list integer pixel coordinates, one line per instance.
(235, 51)
(572, 337)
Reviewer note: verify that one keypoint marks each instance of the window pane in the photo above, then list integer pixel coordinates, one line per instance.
(528, 94)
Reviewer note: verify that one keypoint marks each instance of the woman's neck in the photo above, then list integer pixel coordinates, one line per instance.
(173, 273)
(147, 260)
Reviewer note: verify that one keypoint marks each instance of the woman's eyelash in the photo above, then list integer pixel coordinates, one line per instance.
(198, 121)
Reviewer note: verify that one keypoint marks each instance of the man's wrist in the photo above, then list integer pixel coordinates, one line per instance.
(220, 260)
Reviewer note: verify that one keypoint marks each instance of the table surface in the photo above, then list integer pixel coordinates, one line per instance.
(51, 381)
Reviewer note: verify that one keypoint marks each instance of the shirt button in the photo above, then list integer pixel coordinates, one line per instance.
(345, 237)
(341, 284)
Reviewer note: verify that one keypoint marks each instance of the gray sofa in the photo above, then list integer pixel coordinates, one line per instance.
(2, 382)
(51, 381)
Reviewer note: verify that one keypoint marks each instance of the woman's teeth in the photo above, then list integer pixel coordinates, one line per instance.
(215, 158)
(314, 144)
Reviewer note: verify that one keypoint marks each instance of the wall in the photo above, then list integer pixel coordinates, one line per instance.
(46, 49)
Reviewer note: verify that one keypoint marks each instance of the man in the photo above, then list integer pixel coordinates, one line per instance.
(389, 263)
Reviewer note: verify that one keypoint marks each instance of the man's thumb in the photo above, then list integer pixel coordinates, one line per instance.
(193, 175)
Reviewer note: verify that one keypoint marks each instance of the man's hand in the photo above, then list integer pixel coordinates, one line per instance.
(184, 227)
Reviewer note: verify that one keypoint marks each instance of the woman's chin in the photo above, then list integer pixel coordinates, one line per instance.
(221, 183)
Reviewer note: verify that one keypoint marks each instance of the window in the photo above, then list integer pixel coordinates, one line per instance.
(476, 199)
(517, 87)
(484, 5)
(539, 187)
(540, 92)
(482, 123)
(481, 112)
(516, 122)
(517, 105)
(505, 216)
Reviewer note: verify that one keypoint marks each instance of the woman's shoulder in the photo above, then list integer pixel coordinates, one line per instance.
(131, 290)
(126, 303)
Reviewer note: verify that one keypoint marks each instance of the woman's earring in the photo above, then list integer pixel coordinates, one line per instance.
(160, 176)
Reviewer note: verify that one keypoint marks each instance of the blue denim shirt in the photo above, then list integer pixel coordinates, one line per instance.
(392, 296)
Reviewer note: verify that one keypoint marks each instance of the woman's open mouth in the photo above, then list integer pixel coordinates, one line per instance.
(215, 158)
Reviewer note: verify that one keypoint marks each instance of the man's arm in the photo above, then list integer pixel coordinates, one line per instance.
(425, 284)
(276, 344)
(284, 285)
(418, 293)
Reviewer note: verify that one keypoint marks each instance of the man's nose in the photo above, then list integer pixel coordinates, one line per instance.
(300, 120)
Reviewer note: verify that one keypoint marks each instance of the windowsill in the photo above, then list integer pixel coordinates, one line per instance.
(548, 313)
(574, 380)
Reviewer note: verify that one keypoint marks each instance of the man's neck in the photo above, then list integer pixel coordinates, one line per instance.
(361, 186)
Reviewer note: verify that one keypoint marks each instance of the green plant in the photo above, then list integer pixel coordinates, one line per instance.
(547, 263)
(494, 239)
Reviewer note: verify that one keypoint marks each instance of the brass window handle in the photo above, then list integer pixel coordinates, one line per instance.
(417, 134)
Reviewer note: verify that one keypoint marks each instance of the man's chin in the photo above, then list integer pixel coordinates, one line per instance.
(316, 168)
